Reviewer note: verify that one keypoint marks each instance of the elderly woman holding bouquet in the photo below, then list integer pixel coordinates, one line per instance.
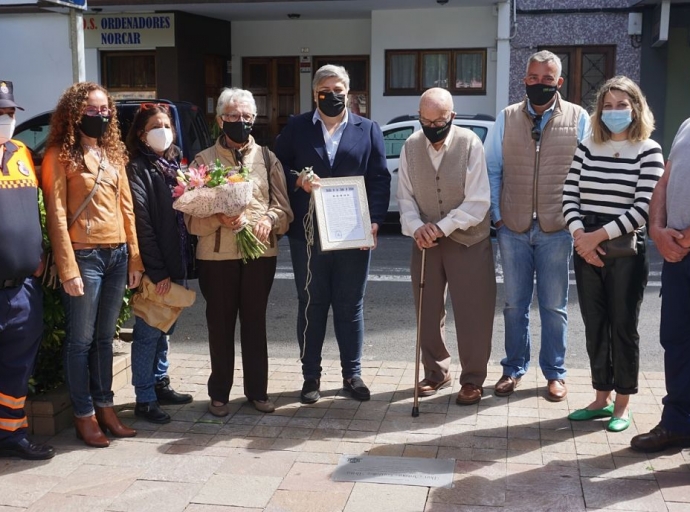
(92, 231)
(230, 285)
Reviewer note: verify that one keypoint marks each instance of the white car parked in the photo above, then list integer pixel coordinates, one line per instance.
(396, 132)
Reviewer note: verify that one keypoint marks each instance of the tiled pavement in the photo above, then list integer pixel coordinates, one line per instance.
(513, 454)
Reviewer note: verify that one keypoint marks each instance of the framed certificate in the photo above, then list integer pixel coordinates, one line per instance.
(342, 214)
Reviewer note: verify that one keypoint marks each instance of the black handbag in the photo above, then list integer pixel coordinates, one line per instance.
(619, 247)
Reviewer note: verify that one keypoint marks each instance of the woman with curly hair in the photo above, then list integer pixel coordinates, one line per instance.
(92, 231)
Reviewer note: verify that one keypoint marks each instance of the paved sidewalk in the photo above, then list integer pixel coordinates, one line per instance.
(513, 454)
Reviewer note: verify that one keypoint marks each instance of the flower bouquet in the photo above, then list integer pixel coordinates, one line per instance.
(208, 190)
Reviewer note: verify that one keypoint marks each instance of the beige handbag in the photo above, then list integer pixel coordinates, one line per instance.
(161, 311)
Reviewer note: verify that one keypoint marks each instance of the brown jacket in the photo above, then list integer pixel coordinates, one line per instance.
(107, 219)
(217, 242)
(533, 182)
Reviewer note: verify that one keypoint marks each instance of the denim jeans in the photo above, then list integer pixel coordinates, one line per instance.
(90, 327)
(548, 255)
(338, 280)
(149, 359)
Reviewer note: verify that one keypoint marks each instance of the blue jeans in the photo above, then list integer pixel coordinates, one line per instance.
(547, 255)
(90, 322)
(338, 280)
(149, 359)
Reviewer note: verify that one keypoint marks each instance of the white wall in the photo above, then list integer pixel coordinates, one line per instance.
(439, 27)
(287, 38)
(38, 60)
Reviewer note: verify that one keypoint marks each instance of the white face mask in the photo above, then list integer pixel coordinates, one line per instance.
(7, 124)
(159, 139)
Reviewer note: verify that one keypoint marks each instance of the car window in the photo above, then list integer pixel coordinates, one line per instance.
(480, 131)
(35, 136)
(395, 140)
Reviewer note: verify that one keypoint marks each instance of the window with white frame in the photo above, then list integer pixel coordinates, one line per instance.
(411, 72)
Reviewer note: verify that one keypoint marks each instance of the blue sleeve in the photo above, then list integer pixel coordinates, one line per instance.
(284, 150)
(377, 177)
(583, 128)
(494, 164)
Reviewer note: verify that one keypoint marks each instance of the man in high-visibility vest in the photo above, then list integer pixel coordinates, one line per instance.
(21, 297)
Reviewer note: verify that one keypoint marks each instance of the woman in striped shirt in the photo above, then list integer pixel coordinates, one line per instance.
(606, 196)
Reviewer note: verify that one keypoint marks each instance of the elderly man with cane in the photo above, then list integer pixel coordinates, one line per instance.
(444, 198)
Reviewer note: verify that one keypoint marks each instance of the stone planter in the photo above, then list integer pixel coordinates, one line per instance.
(51, 412)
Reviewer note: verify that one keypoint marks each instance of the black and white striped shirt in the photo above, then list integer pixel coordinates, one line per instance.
(613, 178)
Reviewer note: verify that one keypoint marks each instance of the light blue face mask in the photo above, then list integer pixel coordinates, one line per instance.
(617, 120)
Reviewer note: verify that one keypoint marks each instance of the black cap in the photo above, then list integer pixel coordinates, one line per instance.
(6, 96)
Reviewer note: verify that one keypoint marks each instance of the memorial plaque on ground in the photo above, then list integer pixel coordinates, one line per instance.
(395, 470)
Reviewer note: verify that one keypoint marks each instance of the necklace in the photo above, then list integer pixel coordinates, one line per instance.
(617, 146)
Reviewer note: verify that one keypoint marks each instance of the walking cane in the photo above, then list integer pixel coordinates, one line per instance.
(415, 405)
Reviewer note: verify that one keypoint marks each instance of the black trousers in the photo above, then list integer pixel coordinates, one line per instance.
(233, 288)
(610, 298)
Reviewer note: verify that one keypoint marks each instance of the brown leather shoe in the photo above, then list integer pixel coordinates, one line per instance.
(469, 394)
(88, 431)
(659, 439)
(556, 390)
(108, 420)
(429, 387)
(506, 385)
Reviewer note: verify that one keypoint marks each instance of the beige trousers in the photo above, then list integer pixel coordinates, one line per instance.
(468, 272)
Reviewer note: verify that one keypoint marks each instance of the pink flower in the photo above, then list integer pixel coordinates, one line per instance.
(197, 177)
(178, 190)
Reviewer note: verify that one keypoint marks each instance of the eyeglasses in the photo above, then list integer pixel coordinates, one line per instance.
(438, 123)
(233, 117)
(536, 128)
(149, 106)
(92, 111)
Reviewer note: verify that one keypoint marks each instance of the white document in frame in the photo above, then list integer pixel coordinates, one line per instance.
(343, 213)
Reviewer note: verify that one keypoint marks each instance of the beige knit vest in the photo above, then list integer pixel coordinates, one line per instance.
(439, 192)
(529, 187)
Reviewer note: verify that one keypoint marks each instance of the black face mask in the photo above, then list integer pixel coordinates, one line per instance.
(437, 134)
(94, 126)
(540, 94)
(330, 103)
(238, 131)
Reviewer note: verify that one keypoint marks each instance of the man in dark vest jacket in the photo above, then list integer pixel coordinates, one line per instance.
(21, 296)
(443, 193)
(528, 156)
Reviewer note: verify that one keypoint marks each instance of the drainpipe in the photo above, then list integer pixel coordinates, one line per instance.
(503, 54)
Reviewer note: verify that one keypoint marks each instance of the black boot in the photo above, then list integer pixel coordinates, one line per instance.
(151, 411)
(168, 396)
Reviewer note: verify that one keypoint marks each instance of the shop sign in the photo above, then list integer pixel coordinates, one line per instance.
(131, 31)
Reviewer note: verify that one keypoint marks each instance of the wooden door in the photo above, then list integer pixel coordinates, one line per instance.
(213, 70)
(274, 82)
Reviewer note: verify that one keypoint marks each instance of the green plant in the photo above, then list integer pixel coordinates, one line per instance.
(48, 372)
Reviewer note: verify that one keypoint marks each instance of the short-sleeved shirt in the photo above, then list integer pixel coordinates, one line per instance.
(678, 190)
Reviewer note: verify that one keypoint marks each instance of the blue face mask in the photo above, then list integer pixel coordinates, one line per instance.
(617, 121)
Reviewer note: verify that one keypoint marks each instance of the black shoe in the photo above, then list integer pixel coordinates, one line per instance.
(356, 388)
(25, 449)
(168, 396)
(151, 411)
(659, 439)
(310, 391)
